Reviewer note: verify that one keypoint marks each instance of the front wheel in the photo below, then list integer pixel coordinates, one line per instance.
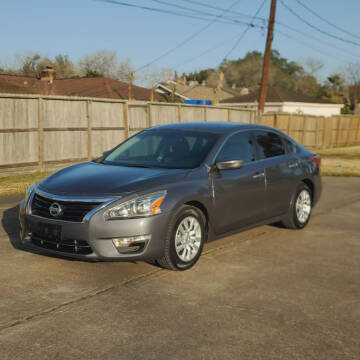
(185, 239)
(300, 212)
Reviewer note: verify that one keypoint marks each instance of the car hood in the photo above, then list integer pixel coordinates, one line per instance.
(94, 179)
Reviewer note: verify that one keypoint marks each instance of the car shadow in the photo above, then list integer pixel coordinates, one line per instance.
(11, 225)
(278, 224)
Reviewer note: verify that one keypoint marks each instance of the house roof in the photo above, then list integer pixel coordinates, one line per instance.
(101, 87)
(276, 95)
(197, 92)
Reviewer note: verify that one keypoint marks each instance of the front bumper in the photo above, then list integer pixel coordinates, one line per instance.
(98, 234)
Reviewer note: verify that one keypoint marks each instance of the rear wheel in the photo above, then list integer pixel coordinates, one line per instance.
(185, 239)
(300, 212)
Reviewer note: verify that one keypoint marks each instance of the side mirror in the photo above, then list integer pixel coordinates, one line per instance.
(106, 153)
(228, 165)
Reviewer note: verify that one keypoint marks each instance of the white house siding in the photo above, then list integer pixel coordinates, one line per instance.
(295, 108)
(312, 108)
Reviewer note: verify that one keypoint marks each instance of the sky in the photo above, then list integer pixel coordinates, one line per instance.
(80, 27)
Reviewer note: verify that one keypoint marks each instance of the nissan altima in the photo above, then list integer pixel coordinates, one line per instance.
(163, 193)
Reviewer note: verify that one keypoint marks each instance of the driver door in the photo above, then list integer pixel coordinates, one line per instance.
(239, 194)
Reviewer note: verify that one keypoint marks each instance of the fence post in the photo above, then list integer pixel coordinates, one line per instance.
(40, 134)
(317, 133)
(323, 132)
(179, 113)
(275, 120)
(304, 130)
(148, 117)
(228, 119)
(125, 107)
(348, 131)
(337, 130)
(89, 127)
(289, 123)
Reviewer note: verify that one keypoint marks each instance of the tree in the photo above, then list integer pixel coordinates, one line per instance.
(313, 66)
(105, 63)
(31, 64)
(353, 81)
(150, 76)
(246, 73)
(64, 66)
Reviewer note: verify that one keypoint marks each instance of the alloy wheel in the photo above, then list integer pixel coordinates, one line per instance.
(188, 238)
(303, 206)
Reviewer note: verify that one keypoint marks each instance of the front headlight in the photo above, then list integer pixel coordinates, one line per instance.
(140, 207)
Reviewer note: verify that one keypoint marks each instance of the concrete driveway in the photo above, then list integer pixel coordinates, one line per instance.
(268, 293)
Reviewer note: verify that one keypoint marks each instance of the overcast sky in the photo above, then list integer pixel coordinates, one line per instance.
(79, 27)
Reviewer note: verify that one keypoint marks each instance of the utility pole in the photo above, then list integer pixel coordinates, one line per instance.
(267, 57)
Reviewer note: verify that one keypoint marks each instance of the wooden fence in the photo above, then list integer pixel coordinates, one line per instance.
(317, 131)
(43, 132)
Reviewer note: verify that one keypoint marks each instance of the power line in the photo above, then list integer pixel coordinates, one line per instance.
(308, 36)
(203, 13)
(246, 30)
(163, 11)
(327, 21)
(199, 3)
(189, 38)
(317, 28)
(264, 20)
(250, 25)
(226, 20)
(307, 45)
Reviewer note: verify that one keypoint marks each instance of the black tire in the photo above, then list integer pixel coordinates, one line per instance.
(170, 259)
(293, 220)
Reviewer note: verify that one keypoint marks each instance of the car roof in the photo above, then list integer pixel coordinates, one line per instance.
(217, 127)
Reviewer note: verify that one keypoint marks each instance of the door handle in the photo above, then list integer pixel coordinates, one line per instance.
(259, 175)
(293, 165)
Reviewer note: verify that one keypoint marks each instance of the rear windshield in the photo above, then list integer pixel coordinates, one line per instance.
(171, 149)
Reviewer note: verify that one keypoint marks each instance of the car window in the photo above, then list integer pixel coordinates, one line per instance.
(164, 148)
(290, 146)
(238, 147)
(269, 144)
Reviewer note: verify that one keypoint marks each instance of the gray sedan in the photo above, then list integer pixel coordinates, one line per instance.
(164, 192)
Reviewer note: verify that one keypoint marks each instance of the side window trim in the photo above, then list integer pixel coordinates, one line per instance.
(284, 138)
(257, 146)
(230, 136)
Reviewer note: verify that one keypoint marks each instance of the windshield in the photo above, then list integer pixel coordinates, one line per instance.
(163, 149)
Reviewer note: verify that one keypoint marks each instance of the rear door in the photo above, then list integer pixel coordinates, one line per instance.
(280, 171)
(239, 194)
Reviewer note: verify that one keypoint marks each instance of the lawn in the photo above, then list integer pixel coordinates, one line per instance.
(17, 184)
(340, 161)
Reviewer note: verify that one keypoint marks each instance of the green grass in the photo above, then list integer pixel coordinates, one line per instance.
(17, 184)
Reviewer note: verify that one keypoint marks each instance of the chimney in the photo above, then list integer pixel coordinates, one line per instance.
(48, 74)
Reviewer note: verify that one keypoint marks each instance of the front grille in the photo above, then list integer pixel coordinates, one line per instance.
(65, 245)
(72, 210)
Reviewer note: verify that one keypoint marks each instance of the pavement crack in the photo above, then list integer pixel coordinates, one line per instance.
(90, 295)
(76, 300)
